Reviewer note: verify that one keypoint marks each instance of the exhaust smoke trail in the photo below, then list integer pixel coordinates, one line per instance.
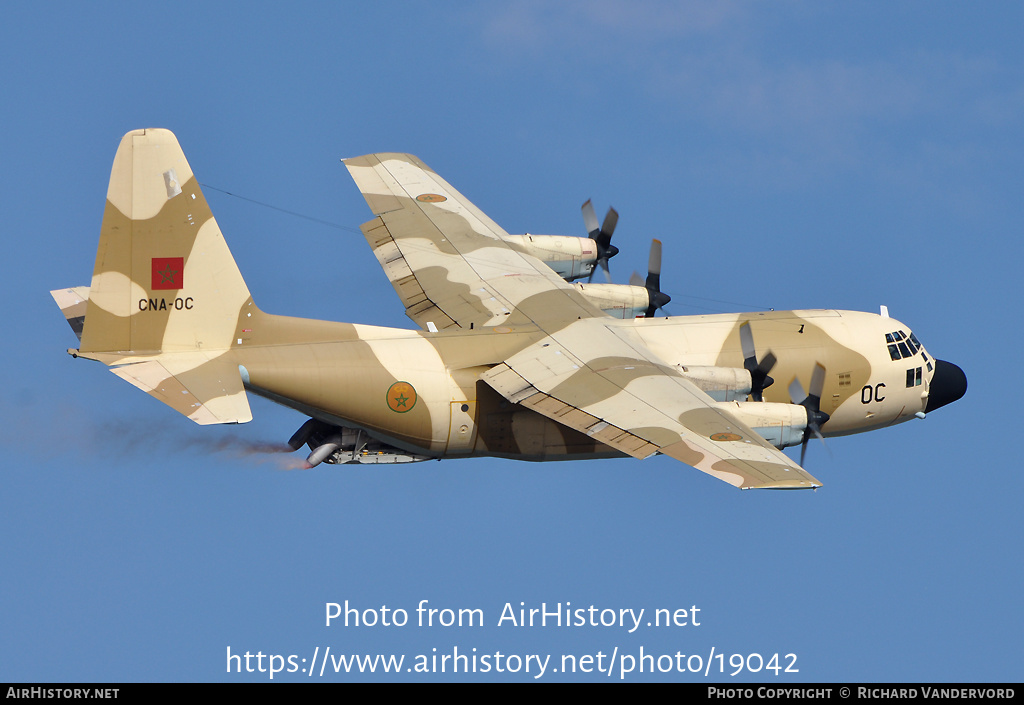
(79, 431)
(199, 440)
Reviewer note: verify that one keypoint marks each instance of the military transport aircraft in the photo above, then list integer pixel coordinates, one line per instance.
(512, 359)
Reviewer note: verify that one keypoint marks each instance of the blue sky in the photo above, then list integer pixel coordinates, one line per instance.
(789, 155)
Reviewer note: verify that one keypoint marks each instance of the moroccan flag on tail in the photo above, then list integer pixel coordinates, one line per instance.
(168, 272)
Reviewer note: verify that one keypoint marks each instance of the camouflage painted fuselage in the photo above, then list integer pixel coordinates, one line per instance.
(348, 376)
(525, 365)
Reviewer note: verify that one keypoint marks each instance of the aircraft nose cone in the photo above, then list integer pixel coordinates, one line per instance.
(948, 384)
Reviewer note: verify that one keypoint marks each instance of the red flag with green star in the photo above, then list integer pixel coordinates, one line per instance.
(168, 272)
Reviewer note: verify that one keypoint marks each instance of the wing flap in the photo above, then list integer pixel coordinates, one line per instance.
(418, 305)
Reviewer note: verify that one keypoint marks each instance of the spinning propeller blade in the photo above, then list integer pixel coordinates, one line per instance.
(602, 235)
(811, 401)
(759, 379)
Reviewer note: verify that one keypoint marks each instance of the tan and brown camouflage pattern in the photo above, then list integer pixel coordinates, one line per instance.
(512, 361)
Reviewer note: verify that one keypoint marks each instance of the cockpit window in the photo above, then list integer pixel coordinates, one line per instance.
(901, 346)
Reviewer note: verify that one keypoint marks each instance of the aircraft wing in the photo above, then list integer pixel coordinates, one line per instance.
(450, 263)
(621, 395)
(451, 266)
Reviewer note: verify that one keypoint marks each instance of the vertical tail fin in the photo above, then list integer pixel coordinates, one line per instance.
(164, 279)
(167, 303)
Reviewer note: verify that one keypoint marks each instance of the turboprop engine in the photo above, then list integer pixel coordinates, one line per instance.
(782, 425)
(617, 300)
(575, 257)
(719, 383)
(570, 257)
(638, 299)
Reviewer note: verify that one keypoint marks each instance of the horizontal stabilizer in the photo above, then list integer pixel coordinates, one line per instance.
(73, 303)
(208, 391)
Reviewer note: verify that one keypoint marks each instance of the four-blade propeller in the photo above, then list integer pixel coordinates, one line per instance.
(811, 401)
(602, 235)
(759, 379)
(657, 298)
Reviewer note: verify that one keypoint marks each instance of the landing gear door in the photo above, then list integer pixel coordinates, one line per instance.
(462, 434)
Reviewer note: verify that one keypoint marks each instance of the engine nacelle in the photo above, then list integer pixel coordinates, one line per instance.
(617, 300)
(782, 425)
(570, 257)
(719, 383)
